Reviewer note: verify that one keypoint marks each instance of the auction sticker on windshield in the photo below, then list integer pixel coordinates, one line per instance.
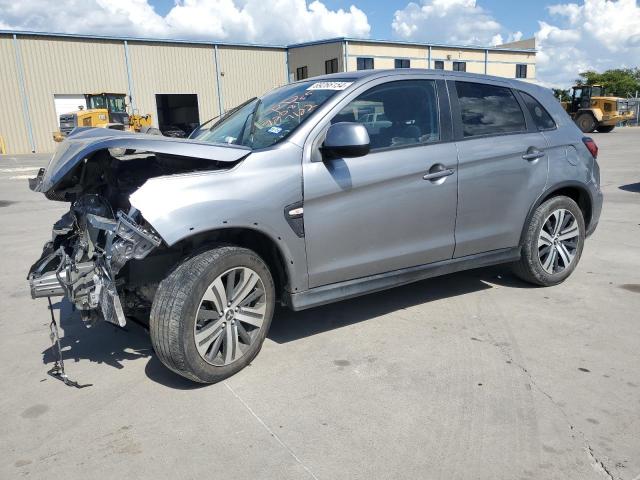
(329, 86)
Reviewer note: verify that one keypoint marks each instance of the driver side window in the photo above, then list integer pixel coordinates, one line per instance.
(396, 114)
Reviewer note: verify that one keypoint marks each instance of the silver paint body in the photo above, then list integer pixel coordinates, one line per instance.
(369, 215)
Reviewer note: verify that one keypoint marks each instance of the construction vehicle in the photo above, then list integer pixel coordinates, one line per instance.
(104, 110)
(592, 109)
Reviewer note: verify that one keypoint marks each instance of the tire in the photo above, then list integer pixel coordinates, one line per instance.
(586, 122)
(193, 289)
(542, 240)
(605, 128)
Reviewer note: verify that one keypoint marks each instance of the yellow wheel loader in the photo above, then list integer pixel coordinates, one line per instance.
(104, 110)
(592, 109)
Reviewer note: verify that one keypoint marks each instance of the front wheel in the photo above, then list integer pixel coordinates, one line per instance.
(605, 128)
(553, 242)
(586, 122)
(211, 315)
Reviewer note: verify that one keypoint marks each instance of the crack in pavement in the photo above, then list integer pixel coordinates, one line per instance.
(271, 432)
(597, 464)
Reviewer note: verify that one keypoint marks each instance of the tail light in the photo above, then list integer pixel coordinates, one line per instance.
(591, 146)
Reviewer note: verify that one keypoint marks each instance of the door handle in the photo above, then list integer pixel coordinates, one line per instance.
(533, 154)
(435, 173)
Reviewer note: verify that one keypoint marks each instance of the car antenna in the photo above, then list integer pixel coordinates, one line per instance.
(57, 371)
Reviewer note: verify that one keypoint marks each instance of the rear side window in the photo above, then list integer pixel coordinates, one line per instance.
(541, 117)
(488, 109)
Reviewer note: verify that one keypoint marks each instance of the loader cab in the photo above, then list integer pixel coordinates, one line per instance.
(114, 103)
(582, 94)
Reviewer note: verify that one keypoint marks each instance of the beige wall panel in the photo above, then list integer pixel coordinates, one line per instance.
(531, 72)
(457, 54)
(13, 128)
(509, 70)
(475, 67)
(502, 70)
(513, 57)
(358, 49)
(63, 65)
(314, 56)
(249, 72)
(158, 68)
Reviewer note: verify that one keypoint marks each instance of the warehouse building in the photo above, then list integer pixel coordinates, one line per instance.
(513, 60)
(188, 82)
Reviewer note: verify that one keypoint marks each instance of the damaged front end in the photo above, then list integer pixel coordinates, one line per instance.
(89, 247)
(93, 246)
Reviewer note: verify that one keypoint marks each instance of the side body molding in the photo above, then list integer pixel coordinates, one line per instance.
(252, 195)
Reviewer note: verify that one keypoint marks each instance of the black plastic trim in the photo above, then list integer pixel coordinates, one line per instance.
(296, 222)
(353, 288)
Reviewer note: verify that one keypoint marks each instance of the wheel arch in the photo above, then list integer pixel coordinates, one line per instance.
(577, 191)
(253, 239)
(596, 113)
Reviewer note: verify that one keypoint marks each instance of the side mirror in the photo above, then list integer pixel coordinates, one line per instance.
(346, 140)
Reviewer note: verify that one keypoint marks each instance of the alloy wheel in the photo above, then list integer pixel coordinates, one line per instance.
(230, 316)
(558, 241)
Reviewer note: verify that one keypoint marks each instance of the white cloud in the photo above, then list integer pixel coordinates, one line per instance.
(450, 21)
(594, 35)
(256, 21)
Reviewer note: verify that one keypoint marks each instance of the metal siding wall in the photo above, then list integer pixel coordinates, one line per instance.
(314, 56)
(13, 128)
(387, 50)
(61, 65)
(173, 68)
(247, 72)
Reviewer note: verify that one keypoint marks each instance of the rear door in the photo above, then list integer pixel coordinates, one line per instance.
(378, 213)
(502, 165)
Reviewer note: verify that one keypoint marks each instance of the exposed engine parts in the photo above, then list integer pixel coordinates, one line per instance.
(90, 245)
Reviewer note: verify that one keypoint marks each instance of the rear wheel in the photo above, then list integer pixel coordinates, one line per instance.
(586, 122)
(553, 242)
(211, 315)
(605, 128)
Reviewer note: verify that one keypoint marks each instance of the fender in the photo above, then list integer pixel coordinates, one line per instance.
(553, 188)
(596, 112)
(183, 205)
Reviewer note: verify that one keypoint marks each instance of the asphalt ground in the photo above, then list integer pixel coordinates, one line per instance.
(474, 375)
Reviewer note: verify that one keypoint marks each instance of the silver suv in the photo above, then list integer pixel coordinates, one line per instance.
(320, 190)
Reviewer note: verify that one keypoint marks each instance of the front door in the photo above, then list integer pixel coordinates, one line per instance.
(393, 208)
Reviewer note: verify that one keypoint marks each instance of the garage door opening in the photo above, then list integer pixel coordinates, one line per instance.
(68, 103)
(177, 114)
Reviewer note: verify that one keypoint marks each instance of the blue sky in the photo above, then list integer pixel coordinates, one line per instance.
(520, 16)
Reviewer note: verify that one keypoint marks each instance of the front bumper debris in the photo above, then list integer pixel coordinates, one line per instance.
(91, 285)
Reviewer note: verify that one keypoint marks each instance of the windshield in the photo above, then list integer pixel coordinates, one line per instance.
(116, 103)
(262, 122)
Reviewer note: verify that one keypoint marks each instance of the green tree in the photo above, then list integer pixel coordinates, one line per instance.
(620, 82)
(562, 95)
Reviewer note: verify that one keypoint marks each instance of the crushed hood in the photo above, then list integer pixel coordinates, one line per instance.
(83, 142)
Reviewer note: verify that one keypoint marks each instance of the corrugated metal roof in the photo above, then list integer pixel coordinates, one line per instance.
(138, 39)
(418, 44)
(258, 45)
